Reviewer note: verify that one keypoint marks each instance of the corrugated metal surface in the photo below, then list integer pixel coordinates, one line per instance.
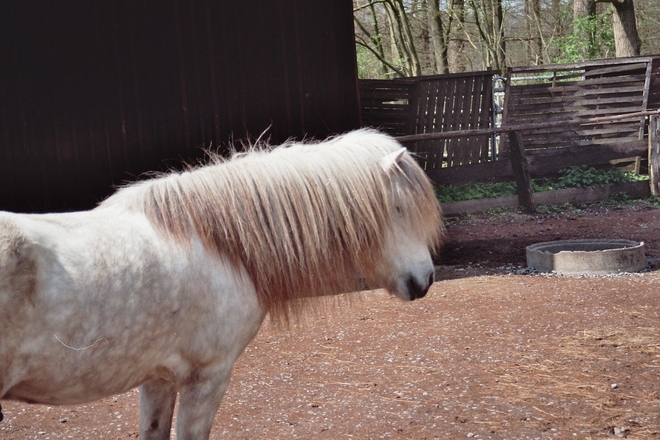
(92, 92)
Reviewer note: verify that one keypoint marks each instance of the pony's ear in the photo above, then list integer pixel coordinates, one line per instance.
(389, 161)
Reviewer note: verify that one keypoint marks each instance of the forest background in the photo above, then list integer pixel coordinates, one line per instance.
(398, 38)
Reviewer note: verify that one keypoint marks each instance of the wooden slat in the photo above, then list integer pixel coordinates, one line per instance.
(581, 65)
(575, 114)
(559, 97)
(540, 162)
(552, 160)
(455, 103)
(385, 104)
(654, 87)
(435, 103)
(607, 89)
(577, 85)
(654, 155)
(480, 117)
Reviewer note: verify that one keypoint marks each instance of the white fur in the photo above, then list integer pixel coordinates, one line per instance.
(117, 307)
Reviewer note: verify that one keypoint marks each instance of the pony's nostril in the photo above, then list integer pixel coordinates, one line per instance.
(423, 291)
(416, 289)
(432, 277)
(412, 287)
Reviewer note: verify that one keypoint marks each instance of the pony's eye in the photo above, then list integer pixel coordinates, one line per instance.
(398, 210)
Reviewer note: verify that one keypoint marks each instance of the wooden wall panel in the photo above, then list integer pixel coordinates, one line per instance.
(94, 92)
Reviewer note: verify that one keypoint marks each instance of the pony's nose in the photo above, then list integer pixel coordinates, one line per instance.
(417, 288)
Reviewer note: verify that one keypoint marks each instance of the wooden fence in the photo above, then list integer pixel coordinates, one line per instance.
(385, 104)
(432, 104)
(654, 87)
(554, 117)
(550, 100)
(574, 93)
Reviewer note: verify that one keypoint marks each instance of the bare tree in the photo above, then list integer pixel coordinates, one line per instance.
(648, 25)
(488, 21)
(534, 32)
(556, 27)
(403, 43)
(456, 42)
(448, 43)
(371, 37)
(439, 36)
(403, 59)
(413, 37)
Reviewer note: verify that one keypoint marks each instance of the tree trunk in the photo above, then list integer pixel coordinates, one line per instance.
(489, 20)
(438, 37)
(498, 27)
(534, 53)
(624, 25)
(455, 43)
(583, 7)
(377, 40)
(556, 26)
(402, 40)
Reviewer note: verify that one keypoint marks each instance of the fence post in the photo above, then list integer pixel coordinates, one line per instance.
(654, 154)
(521, 172)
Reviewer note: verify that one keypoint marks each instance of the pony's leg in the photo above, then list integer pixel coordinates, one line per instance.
(198, 404)
(157, 398)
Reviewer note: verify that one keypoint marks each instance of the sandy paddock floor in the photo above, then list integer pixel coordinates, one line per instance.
(493, 351)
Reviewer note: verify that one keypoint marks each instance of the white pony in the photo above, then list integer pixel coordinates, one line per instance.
(164, 284)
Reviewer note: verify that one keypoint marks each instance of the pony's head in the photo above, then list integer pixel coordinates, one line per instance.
(406, 269)
(307, 220)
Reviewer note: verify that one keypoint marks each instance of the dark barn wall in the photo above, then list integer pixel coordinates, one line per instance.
(93, 92)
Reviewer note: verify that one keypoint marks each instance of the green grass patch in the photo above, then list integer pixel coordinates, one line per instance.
(572, 177)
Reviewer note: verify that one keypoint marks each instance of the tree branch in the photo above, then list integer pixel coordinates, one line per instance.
(394, 68)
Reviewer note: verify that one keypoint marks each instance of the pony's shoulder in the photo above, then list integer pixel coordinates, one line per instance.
(12, 237)
(18, 268)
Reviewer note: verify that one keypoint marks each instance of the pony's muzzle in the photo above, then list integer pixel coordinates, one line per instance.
(418, 288)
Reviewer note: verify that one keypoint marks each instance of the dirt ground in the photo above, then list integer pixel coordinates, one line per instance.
(493, 352)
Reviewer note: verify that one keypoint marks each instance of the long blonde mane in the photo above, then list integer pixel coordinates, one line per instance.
(303, 219)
